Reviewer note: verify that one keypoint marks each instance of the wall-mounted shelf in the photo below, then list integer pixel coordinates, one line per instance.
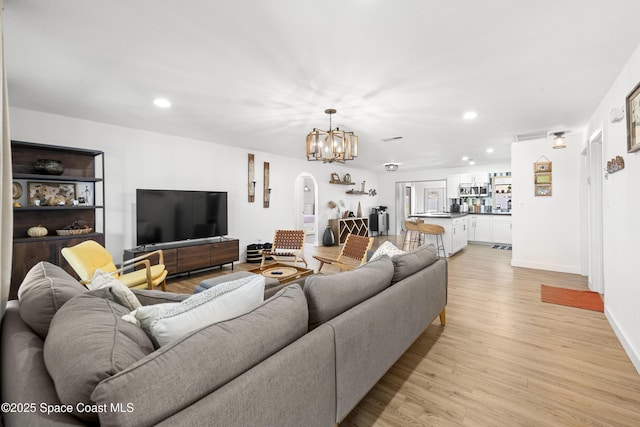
(342, 182)
(357, 192)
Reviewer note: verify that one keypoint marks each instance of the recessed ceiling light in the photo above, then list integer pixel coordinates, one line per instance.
(470, 115)
(162, 103)
(471, 162)
(465, 158)
(489, 150)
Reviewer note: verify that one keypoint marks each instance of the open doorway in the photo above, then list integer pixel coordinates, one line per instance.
(306, 206)
(595, 214)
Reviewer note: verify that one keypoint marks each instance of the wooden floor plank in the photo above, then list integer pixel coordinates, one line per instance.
(504, 358)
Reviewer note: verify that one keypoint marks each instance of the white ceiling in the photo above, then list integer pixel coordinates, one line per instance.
(260, 73)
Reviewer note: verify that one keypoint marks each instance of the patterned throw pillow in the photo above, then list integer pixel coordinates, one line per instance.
(171, 321)
(387, 248)
(120, 291)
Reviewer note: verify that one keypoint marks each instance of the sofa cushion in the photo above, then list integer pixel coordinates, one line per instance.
(409, 263)
(45, 288)
(330, 295)
(387, 248)
(88, 342)
(168, 322)
(186, 370)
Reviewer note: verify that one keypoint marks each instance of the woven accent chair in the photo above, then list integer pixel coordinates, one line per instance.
(352, 255)
(88, 256)
(434, 230)
(286, 244)
(412, 237)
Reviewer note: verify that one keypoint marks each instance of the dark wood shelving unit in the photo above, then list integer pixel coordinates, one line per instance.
(81, 167)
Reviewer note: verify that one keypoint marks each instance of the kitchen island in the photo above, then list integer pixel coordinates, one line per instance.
(455, 229)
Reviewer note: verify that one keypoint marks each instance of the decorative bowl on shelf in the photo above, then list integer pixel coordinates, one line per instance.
(48, 166)
(74, 232)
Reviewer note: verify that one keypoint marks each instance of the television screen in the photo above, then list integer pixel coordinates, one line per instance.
(172, 215)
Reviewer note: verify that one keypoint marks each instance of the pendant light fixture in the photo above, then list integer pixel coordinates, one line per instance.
(558, 140)
(330, 146)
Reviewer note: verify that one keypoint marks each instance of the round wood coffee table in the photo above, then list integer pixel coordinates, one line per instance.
(280, 272)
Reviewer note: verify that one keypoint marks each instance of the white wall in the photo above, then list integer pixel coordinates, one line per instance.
(546, 230)
(141, 159)
(621, 207)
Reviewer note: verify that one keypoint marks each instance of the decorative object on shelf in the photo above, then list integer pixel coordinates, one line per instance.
(372, 192)
(633, 120)
(75, 228)
(48, 166)
(85, 196)
(335, 178)
(391, 167)
(266, 189)
(347, 177)
(614, 165)
(37, 231)
(51, 193)
(251, 179)
(363, 184)
(330, 146)
(559, 140)
(17, 191)
(542, 177)
(332, 204)
(327, 237)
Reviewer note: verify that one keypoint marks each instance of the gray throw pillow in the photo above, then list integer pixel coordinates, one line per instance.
(330, 295)
(89, 342)
(45, 289)
(409, 263)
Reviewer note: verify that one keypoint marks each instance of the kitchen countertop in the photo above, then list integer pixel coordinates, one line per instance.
(489, 213)
(454, 214)
(439, 215)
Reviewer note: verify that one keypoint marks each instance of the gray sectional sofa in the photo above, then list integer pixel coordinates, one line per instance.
(303, 357)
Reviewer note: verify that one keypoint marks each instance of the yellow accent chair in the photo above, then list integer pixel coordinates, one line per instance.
(352, 255)
(88, 256)
(288, 244)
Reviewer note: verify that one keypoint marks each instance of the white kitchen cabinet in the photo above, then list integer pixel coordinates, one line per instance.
(502, 229)
(480, 178)
(480, 228)
(455, 233)
(459, 236)
(453, 181)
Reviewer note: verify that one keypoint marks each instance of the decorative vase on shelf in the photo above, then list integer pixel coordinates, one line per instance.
(327, 237)
(359, 213)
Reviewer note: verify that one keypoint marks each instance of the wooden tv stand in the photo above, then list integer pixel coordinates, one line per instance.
(187, 256)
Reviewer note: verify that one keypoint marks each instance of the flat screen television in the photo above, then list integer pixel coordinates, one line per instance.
(173, 215)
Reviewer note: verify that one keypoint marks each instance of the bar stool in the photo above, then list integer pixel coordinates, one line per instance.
(412, 236)
(434, 230)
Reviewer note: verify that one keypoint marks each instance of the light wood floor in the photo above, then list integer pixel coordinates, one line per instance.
(503, 359)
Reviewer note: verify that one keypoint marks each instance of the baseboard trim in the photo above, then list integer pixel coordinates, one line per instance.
(548, 267)
(635, 357)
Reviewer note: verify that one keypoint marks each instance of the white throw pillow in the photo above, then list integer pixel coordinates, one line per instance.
(170, 321)
(120, 291)
(387, 248)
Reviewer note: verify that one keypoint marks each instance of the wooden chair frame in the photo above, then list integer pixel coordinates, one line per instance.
(287, 244)
(355, 248)
(85, 269)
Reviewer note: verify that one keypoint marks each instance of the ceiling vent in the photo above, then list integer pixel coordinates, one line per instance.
(393, 138)
(542, 134)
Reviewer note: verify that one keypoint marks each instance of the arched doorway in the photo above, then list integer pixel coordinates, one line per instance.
(306, 206)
